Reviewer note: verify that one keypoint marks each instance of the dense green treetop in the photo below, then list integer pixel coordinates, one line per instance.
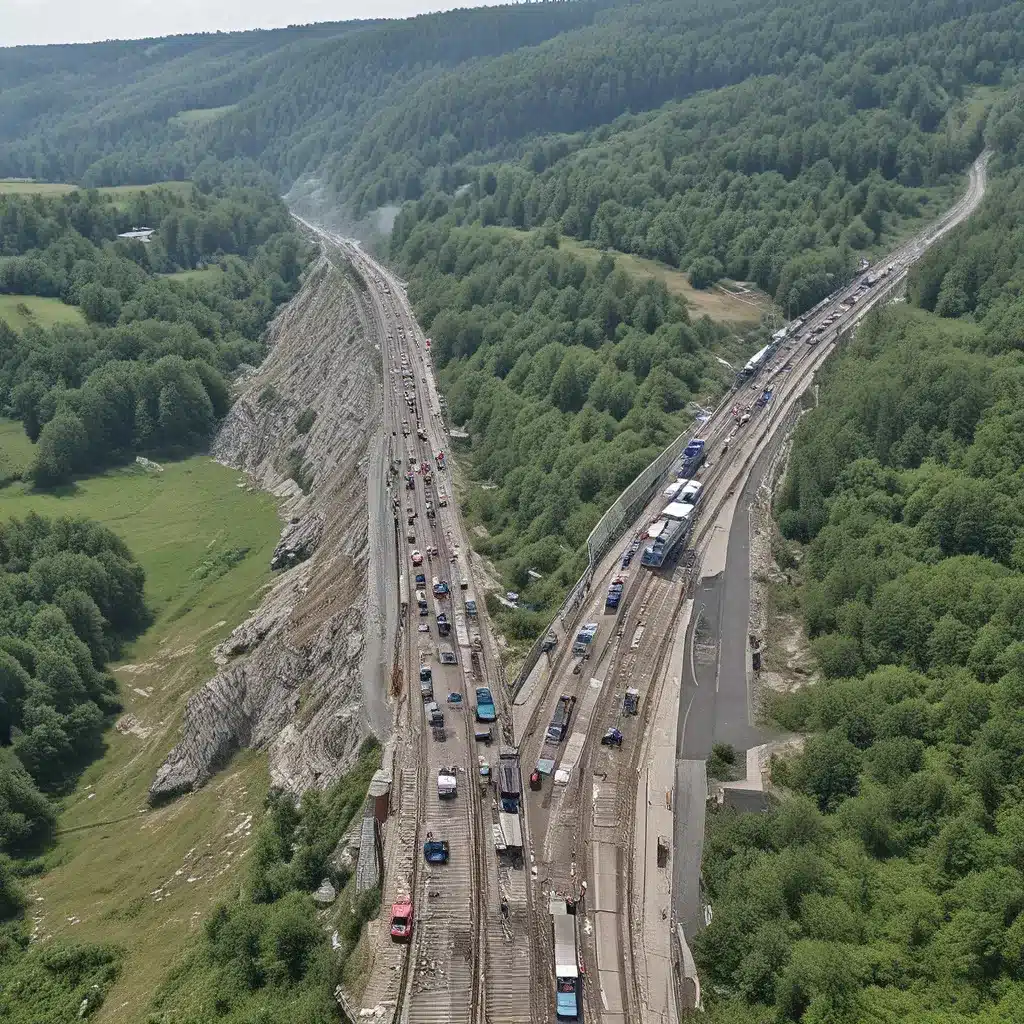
(148, 372)
(70, 592)
(890, 883)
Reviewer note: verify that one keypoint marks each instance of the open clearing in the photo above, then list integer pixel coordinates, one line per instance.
(201, 115)
(728, 302)
(120, 873)
(12, 186)
(39, 311)
(18, 187)
(209, 274)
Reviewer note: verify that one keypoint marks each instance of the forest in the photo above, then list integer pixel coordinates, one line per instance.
(149, 370)
(569, 378)
(70, 595)
(890, 883)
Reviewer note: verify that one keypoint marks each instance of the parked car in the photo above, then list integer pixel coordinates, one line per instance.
(401, 921)
(612, 738)
(417, 558)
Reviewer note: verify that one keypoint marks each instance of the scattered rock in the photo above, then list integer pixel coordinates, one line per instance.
(290, 679)
(326, 894)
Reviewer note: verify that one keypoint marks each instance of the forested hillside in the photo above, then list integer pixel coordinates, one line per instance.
(892, 885)
(133, 112)
(570, 378)
(70, 593)
(761, 140)
(149, 369)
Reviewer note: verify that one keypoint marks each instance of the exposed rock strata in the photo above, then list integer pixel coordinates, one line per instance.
(290, 676)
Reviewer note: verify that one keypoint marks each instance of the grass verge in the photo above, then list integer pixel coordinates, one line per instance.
(146, 880)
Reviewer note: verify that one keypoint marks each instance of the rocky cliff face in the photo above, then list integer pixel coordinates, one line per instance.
(290, 677)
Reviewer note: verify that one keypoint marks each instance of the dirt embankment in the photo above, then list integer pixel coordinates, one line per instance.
(290, 675)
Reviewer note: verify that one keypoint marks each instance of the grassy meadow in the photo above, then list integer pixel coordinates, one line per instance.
(146, 879)
(21, 311)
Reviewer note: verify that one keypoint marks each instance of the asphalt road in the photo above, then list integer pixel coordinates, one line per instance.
(715, 705)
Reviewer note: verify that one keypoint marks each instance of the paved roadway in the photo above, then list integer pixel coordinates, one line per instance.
(715, 704)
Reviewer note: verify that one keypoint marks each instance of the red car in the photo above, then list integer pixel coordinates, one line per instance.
(401, 921)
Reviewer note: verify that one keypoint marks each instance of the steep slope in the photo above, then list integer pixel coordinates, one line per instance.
(291, 679)
(281, 100)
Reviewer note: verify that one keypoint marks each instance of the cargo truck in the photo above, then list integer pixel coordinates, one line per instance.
(510, 785)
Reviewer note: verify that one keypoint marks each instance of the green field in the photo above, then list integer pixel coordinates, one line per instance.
(205, 543)
(9, 186)
(50, 188)
(209, 274)
(36, 310)
(201, 115)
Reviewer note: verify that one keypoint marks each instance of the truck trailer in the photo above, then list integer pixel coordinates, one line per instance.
(510, 783)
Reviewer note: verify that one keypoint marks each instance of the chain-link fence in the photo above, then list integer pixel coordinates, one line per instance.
(607, 532)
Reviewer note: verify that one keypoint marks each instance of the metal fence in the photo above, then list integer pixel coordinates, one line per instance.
(608, 531)
(636, 495)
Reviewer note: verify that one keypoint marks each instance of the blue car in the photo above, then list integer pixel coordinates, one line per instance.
(435, 851)
(485, 705)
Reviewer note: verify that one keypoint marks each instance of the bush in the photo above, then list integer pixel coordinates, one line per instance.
(705, 271)
(306, 420)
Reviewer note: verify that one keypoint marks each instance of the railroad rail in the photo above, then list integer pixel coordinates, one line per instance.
(502, 898)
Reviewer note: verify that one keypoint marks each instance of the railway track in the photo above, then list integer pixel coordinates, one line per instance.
(791, 372)
(462, 934)
(488, 932)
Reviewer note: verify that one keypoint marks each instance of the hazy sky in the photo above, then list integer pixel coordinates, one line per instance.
(83, 21)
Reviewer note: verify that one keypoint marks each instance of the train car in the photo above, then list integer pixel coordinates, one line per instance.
(692, 459)
(566, 961)
(755, 362)
(690, 494)
(667, 537)
(673, 489)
